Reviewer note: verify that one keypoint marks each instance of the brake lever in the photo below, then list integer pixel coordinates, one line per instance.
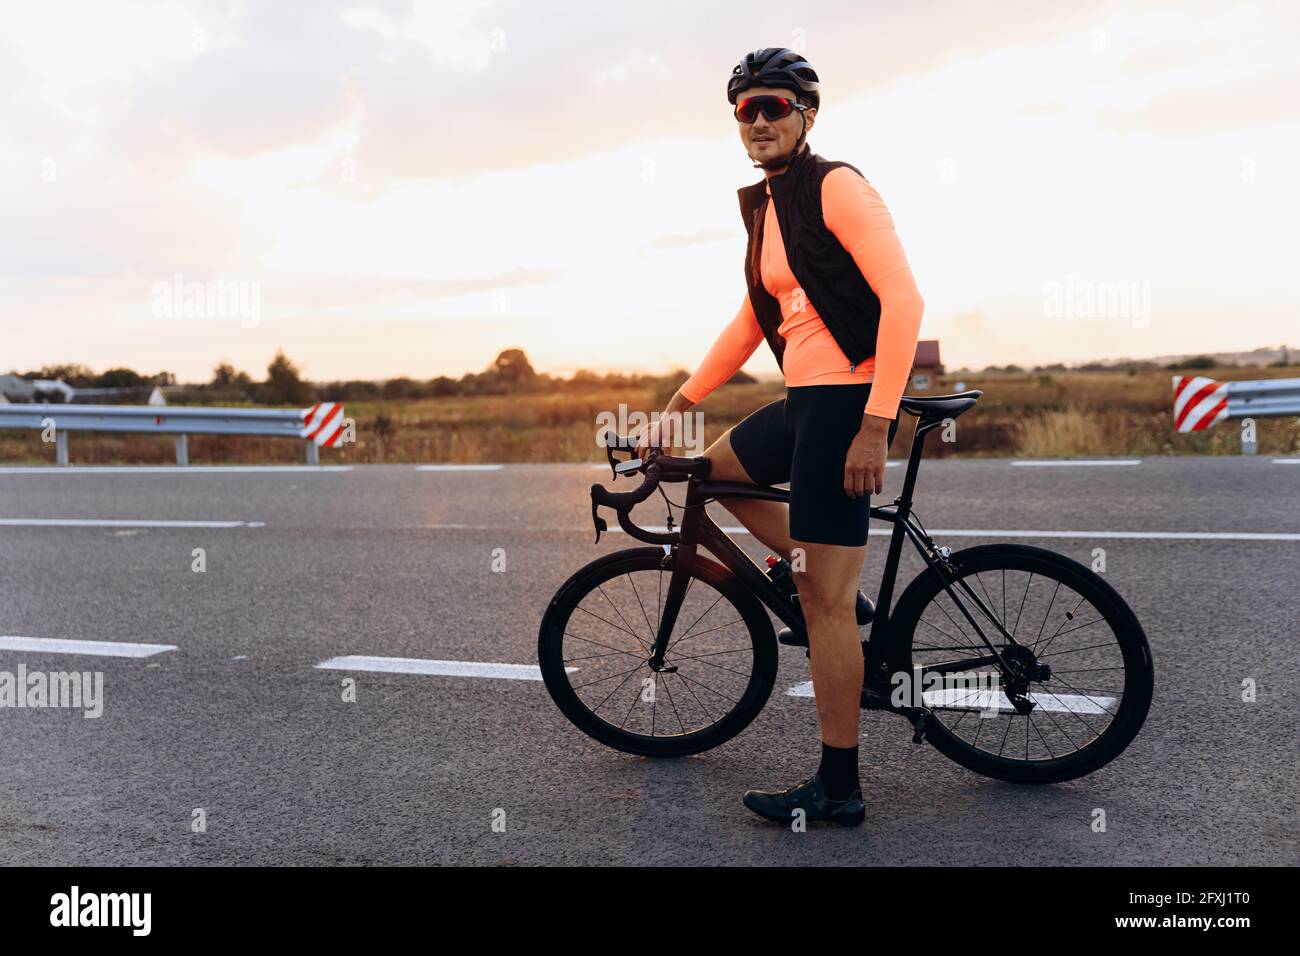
(597, 520)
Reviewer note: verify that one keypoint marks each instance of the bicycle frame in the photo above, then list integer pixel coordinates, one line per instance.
(700, 530)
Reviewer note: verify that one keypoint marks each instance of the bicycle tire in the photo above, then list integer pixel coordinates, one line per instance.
(1131, 642)
(586, 582)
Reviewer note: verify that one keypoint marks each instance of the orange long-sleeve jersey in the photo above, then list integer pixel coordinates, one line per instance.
(855, 213)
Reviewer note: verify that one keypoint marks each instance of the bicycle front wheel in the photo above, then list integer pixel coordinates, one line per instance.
(595, 642)
(1079, 655)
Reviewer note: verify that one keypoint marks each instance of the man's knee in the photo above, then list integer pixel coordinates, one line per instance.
(828, 584)
(723, 463)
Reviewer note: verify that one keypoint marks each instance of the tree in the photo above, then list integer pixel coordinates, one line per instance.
(283, 384)
(119, 378)
(513, 366)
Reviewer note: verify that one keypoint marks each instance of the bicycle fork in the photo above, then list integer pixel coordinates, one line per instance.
(681, 558)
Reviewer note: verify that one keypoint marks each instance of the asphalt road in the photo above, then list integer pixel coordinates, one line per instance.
(238, 721)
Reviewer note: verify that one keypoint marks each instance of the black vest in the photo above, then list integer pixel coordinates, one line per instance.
(824, 269)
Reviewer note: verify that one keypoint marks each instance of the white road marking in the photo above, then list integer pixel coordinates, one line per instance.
(1286, 461)
(49, 645)
(888, 464)
(416, 665)
(122, 523)
(956, 698)
(172, 469)
(1080, 461)
(937, 533)
(459, 467)
(1137, 535)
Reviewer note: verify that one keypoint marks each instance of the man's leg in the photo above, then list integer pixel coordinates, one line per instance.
(828, 589)
(827, 592)
(768, 521)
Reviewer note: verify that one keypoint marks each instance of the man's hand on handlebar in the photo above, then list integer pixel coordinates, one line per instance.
(662, 431)
(660, 434)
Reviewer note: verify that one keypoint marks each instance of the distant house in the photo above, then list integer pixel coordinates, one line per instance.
(926, 367)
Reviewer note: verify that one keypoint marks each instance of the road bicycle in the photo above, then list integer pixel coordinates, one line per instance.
(663, 651)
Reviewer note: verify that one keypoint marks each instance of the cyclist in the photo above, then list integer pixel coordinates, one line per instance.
(831, 292)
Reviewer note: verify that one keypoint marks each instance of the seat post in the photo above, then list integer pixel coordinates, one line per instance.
(913, 463)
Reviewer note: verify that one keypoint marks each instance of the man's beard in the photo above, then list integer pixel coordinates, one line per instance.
(782, 159)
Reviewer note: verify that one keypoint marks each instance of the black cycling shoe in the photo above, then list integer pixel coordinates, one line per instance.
(809, 796)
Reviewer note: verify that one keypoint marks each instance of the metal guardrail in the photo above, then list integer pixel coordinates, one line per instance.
(319, 425)
(1200, 403)
(1269, 398)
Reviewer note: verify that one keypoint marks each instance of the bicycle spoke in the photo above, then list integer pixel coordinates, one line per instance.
(612, 624)
(706, 687)
(706, 710)
(1023, 599)
(1047, 613)
(616, 650)
(641, 606)
(618, 612)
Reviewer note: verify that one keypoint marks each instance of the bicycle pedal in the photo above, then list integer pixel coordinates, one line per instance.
(875, 700)
(865, 610)
(789, 638)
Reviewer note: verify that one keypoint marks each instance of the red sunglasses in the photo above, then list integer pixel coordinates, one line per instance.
(772, 107)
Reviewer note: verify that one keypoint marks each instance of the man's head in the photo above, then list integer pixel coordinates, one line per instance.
(785, 89)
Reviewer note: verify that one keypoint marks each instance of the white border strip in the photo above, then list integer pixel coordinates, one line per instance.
(121, 523)
(173, 469)
(1286, 461)
(459, 467)
(959, 699)
(1078, 461)
(50, 645)
(1012, 533)
(415, 665)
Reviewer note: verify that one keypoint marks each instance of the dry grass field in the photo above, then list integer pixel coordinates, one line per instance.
(1062, 414)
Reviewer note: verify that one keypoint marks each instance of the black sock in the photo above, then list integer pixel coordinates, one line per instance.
(839, 771)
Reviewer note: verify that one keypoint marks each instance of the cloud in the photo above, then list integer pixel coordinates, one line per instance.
(677, 240)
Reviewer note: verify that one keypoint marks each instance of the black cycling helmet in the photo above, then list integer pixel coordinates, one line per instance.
(777, 67)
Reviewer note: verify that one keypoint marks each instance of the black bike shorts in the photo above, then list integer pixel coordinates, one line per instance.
(804, 439)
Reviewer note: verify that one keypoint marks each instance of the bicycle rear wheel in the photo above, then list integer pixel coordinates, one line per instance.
(1082, 658)
(595, 642)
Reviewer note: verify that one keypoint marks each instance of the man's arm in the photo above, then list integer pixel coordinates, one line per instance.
(856, 214)
(731, 350)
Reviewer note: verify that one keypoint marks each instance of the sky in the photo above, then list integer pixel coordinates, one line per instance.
(394, 188)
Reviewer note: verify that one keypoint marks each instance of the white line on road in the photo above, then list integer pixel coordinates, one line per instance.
(459, 467)
(1080, 461)
(49, 645)
(173, 469)
(416, 665)
(1023, 533)
(1286, 461)
(956, 698)
(121, 523)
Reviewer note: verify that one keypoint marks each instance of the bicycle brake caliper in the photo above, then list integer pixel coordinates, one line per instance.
(919, 719)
